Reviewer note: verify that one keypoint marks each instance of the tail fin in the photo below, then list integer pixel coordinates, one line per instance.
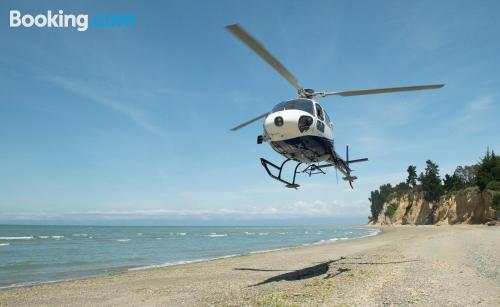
(348, 176)
(352, 161)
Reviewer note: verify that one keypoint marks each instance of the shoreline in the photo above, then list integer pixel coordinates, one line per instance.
(423, 265)
(116, 270)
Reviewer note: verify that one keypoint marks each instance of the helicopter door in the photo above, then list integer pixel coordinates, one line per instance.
(320, 114)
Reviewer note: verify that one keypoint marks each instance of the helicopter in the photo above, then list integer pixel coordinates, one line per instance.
(300, 129)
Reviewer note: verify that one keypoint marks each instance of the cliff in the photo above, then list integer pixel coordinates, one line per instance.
(469, 206)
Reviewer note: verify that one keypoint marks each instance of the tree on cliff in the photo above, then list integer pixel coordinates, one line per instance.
(431, 183)
(463, 177)
(412, 176)
(488, 170)
(466, 175)
(378, 198)
(451, 183)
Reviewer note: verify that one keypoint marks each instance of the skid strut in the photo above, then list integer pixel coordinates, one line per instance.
(266, 164)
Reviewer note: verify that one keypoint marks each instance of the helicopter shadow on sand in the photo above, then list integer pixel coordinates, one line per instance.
(318, 270)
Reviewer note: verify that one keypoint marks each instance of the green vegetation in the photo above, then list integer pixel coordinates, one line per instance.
(487, 170)
(463, 177)
(493, 185)
(378, 198)
(484, 175)
(391, 209)
(412, 176)
(431, 182)
(495, 203)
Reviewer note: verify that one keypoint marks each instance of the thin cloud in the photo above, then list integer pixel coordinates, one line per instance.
(476, 116)
(299, 209)
(137, 116)
(481, 104)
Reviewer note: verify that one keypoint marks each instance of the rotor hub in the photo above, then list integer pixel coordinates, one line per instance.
(307, 93)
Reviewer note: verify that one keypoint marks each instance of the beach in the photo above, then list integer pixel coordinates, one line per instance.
(403, 265)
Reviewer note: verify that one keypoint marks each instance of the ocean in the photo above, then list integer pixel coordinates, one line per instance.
(39, 254)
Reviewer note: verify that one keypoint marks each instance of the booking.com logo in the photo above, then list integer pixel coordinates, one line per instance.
(80, 22)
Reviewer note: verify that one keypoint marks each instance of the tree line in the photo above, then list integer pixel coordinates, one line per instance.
(485, 175)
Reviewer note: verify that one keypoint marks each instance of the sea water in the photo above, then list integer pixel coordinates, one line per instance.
(37, 254)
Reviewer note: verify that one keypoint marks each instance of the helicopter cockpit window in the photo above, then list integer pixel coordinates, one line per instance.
(297, 104)
(319, 112)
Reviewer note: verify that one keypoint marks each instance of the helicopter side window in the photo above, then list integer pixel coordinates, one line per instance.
(319, 112)
(328, 121)
(320, 126)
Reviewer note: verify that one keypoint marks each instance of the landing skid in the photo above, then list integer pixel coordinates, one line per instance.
(311, 169)
(266, 164)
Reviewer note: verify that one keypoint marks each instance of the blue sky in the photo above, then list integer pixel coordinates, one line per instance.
(133, 124)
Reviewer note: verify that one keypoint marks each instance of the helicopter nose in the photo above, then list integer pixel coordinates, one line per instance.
(280, 125)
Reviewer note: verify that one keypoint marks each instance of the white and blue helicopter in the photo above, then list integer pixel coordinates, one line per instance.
(300, 129)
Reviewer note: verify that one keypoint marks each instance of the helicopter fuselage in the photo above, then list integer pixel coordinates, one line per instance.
(300, 130)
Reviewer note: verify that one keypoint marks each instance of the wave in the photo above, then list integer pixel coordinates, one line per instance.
(4, 244)
(263, 233)
(155, 266)
(34, 283)
(122, 240)
(370, 234)
(16, 238)
(57, 237)
(181, 233)
(43, 237)
(249, 233)
(214, 235)
(80, 235)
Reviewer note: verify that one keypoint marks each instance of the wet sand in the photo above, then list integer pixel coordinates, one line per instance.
(404, 265)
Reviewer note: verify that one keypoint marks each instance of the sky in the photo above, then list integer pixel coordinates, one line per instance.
(131, 124)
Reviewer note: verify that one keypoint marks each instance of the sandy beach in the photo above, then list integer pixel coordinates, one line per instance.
(404, 265)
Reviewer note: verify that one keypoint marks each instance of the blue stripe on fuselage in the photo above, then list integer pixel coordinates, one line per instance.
(305, 148)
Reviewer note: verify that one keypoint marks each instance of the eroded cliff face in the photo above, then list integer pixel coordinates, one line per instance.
(467, 206)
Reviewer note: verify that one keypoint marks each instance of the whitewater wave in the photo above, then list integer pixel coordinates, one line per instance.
(181, 233)
(263, 233)
(369, 234)
(179, 262)
(57, 237)
(4, 244)
(80, 235)
(122, 240)
(249, 233)
(215, 235)
(16, 238)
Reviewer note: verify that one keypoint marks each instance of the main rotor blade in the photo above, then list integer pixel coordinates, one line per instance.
(249, 122)
(384, 90)
(251, 42)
